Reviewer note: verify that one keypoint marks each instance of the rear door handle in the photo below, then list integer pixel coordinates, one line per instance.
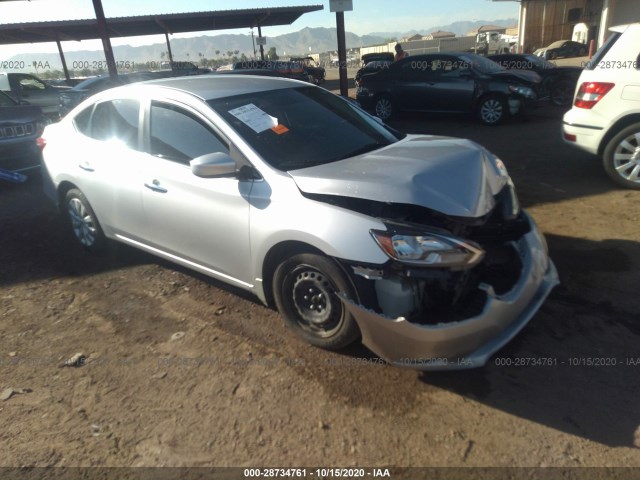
(86, 166)
(155, 186)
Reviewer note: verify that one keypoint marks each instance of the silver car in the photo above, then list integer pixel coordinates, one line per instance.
(416, 244)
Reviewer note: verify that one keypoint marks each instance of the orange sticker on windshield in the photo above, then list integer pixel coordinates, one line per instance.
(280, 129)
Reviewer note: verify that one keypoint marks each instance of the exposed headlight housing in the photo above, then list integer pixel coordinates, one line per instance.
(429, 249)
(526, 92)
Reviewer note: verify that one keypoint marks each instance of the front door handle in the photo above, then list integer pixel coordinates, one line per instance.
(155, 186)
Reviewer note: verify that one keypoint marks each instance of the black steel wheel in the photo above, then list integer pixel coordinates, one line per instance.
(305, 292)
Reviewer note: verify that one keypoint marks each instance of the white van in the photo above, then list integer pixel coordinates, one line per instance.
(605, 118)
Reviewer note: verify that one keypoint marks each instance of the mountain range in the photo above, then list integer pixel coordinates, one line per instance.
(219, 47)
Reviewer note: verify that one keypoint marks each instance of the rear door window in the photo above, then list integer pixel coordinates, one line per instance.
(117, 120)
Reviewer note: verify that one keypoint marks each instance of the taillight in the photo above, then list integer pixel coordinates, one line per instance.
(591, 93)
(41, 143)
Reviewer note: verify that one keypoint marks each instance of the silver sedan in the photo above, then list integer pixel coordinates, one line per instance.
(415, 244)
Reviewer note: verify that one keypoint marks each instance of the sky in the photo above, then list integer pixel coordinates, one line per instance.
(367, 16)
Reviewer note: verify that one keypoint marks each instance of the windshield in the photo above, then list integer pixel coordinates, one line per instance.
(482, 64)
(6, 100)
(302, 127)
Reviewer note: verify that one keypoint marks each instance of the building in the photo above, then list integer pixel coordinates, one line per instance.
(439, 35)
(413, 38)
(542, 22)
(487, 28)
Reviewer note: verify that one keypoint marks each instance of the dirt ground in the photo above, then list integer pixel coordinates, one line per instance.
(180, 370)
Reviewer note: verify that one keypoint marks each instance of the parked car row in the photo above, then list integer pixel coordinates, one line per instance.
(451, 82)
(69, 98)
(288, 69)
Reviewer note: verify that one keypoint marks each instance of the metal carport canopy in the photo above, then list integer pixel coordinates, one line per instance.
(70, 30)
(90, 29)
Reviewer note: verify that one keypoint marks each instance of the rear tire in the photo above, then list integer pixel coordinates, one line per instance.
(82, 222)
(304, 288)
(621, 158)
(383, 107)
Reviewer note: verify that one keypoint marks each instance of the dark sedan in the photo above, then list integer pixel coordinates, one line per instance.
(456, 83)
(562, 49)
(558, 83)
(68, 99)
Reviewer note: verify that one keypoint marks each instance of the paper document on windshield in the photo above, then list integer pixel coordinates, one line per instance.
(256, 119)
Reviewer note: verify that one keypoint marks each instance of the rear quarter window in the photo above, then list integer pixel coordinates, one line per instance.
(603, 50)
(82, 120)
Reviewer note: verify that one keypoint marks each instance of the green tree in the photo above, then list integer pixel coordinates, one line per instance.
(271, 54)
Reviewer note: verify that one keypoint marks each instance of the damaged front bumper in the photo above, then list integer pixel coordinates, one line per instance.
(471, 342)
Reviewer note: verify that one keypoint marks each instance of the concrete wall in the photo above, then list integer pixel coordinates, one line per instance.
(457, 44)
(623, 11)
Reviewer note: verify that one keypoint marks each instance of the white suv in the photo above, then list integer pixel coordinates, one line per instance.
(605, 118)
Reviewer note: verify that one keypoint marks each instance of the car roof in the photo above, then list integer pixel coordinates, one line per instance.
(558, 43)
(212, 86)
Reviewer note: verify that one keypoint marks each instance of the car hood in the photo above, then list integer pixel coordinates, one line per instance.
(20, 114)
(449, 175)
(519, 75)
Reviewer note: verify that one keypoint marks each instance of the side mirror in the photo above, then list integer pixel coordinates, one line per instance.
(212, 165)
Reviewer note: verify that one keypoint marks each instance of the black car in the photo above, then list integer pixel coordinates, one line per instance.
(314, 72)
(456, 83)
(282, 68)
(20, 125)
(68, 99)
(558, 83)
(562, 49)
(372, 62)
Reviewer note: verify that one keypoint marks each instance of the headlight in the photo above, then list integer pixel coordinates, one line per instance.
(524, 91)
(429, 249)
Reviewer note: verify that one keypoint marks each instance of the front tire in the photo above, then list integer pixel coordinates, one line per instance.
(83, 222)
(621, 157)
(305, 292)
(383, 107)
(492, 110)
